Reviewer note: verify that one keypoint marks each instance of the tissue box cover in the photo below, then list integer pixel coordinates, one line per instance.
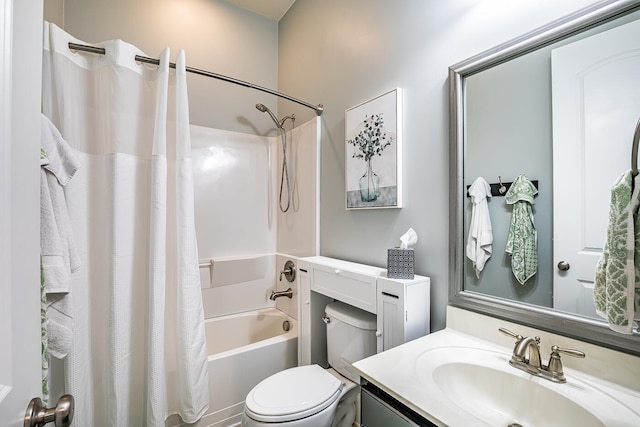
(400, 263)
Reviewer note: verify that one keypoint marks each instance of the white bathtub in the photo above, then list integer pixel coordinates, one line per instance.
(244, 349)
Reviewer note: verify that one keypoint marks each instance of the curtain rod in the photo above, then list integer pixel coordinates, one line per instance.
(144, 59)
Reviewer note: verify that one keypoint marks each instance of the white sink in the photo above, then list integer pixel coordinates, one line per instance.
(485, 389)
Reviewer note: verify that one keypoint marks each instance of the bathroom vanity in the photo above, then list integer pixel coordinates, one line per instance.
(402, 307)
(461, 376)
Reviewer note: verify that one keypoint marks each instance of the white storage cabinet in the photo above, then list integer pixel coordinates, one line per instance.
(402, 306)
(403, 310)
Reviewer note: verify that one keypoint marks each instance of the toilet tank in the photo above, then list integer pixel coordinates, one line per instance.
(351, 336)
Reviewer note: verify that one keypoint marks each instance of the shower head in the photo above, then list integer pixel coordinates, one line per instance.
(264, 109)
(284, 179)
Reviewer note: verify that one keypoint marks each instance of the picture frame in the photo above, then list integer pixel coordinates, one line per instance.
(373, 153)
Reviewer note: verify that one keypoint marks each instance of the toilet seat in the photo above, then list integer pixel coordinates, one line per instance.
(293, 394)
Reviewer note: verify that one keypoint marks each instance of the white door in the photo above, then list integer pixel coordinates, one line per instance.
(596, 104)
(20, 71)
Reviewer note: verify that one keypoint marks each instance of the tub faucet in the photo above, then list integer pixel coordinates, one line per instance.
(289, 271)
(277, 294)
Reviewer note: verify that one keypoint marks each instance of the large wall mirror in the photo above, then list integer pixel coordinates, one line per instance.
(557, 106)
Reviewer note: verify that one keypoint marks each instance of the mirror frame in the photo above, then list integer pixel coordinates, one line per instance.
(562, 323)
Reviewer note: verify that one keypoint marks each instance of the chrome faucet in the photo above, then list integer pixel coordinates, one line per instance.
(277, 294)
(526, 357)
(526, 352)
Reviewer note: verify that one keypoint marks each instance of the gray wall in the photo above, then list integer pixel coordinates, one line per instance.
(216, 36)
(341, 53)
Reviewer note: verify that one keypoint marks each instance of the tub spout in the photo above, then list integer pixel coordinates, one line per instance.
(277, 294)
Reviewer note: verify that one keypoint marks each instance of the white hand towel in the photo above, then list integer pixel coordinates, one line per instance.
(59, 256)
(57, 252)
(480, 232)
(60, 159)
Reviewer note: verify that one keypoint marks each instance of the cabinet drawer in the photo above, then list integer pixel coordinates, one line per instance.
(356, 289)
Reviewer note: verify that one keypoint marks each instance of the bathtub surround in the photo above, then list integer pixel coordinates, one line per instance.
(241, 291)
(137, 299)
(244, 242)
(238, 222)
(298, 232)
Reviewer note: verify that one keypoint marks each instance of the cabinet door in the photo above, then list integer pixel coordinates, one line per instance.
(391, 314)
(304, 315)
(375, 413)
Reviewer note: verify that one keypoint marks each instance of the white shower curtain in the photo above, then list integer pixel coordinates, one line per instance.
(139, 350)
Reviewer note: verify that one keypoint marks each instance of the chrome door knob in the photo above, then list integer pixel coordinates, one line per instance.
(61, 415)
(563, 266)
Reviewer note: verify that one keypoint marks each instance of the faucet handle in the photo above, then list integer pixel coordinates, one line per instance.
(289, 271)
(555, 363)
(570, 352)
(508, 333)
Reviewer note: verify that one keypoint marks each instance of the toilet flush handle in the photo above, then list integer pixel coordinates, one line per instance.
(326, 320)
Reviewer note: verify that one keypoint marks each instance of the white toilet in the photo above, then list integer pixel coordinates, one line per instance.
(310, 396)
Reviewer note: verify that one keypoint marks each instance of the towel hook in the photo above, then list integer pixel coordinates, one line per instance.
(502, 188)
(634, 150)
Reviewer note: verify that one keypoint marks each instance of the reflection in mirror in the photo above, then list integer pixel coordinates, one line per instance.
(558, 105)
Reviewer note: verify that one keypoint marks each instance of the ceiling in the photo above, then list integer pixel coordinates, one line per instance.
(272, 9)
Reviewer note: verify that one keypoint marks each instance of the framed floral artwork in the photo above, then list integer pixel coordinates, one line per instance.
(373, 154)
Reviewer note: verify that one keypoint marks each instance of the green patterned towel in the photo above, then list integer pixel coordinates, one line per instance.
(44, 339)
(44, 347)
(522, 241)
(616, 293)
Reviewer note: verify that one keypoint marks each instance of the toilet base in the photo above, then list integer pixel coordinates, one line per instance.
(347, 412)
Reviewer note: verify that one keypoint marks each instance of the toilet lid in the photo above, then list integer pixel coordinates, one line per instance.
(292, 394)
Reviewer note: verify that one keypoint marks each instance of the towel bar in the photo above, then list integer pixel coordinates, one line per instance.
(495, 188)
(205, 263)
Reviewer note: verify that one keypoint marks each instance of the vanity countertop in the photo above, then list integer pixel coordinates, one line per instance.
(399, 373)
(394, 372)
